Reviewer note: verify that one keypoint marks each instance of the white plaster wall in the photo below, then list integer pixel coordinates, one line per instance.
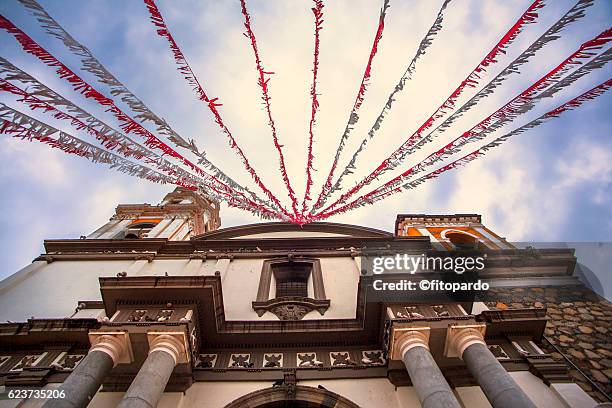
(241, 281)
(239, 286)
(52, 290)
(341, 279)
(536, 390)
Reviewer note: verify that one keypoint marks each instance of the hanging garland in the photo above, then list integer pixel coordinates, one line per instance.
(410, 145)
(317, 10)
(380, 193)
(471, 81)
(263, 84)
(354, 117)
(40, 94)
(365, 80)
(25, 127)
(213, 104)
(82, 87)
(519, 105)
(73, 145)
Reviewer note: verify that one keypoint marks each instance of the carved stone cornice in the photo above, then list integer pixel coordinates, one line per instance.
(291, 308)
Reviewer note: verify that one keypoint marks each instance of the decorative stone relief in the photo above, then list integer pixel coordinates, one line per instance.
(207, 361)
(341, 358)
(67, 362)
(373, 357)
(290, 311)
(272, 360)
(440, 311)
(308, 360)
(240, 360)
(498, 352)
(137, 316)
(164, 315)
(27, 361)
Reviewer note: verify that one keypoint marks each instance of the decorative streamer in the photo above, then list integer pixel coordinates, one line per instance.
(91, 64)
(181, 176)
(73, 145)
(517, 106)
(354, 115)
(377, 195)
(81, 119)
(508, 112)
(82, 87)
(263, 84)
(396, 158)
(190, 77)
(528, 17)
(317, 10)
(26, 127)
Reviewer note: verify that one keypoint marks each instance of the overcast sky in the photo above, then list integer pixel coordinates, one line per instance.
(553, 183)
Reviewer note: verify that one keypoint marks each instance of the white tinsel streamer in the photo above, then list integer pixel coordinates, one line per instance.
(413, 143)
(421, 50)
(91, 64)
(376, 195)
(523, 106)
(111, 138)
(26, 127)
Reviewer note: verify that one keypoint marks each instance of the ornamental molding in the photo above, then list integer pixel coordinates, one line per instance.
(173, 343)
(291, 308)
(459, 338)
(405, 337)
(114, 343)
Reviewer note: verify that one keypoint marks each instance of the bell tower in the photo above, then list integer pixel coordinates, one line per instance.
(180, 215)
(450, 231)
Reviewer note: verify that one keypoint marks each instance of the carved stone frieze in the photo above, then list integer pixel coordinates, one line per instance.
(291, 308)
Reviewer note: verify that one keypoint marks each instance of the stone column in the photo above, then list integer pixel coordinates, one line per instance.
(411, 345)
(108, 349)
(467, 343)
(166, 350)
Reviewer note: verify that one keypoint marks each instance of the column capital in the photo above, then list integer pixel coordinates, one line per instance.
(173, 343)
(114, 343)
(460, 337)
(403, 338)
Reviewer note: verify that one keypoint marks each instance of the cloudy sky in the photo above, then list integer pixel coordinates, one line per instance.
(553, 183)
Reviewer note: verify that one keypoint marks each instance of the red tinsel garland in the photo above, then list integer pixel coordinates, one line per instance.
(317, 10)
(184, 68)
(353, 116)
(471, 80)
(263, 84)
(380, 194)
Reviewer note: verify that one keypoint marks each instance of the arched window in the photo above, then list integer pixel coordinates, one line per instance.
(462, 241)
(139, 229)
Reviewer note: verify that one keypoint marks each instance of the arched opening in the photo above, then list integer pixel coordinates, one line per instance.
(139, 229)
(292, 397)
(461, 240)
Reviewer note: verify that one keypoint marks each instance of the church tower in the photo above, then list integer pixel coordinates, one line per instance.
(179, 216)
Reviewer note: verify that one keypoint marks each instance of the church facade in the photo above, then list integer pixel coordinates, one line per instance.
(162, 307)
